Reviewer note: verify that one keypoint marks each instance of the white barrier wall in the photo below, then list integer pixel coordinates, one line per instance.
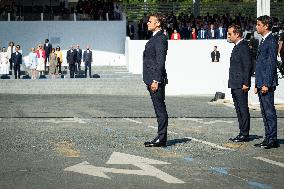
(189, 67)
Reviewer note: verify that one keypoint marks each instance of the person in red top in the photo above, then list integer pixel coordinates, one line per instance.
(193, 33)
(175, 35)
(41, 56)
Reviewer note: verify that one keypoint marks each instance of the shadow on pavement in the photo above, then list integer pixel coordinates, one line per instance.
(177, 141)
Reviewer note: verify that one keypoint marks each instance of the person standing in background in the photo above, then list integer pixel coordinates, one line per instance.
(33, 63)
(10, 50)
(52, 63)
(215, 55)
(59, 59)
(71, 59)
(47, 47)
(41, 56)
(17, 61)
(78, 60)
(88, 59)
(4, 61)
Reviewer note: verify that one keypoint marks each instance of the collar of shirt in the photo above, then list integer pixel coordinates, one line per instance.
(155, 32)
(239, 41)
(264, 37)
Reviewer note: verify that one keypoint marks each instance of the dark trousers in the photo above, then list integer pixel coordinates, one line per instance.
(88, 65)
(59, 67)
(240, 99)
(72, 70)
(268, 114)
(17, 71)
(158, 100)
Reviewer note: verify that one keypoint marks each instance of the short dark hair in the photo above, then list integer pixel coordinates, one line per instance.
(46, 40)
(160, 18)
(236, 29)
(266, 20)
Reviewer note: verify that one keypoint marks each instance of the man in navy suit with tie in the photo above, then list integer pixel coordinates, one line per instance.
(17, 61)
(155, 76)
(240, 72)
(266, 80)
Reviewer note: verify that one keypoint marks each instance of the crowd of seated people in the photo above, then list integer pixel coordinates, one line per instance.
(202, 27)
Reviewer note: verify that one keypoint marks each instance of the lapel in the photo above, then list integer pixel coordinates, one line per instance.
(261, 45)
(154, 37)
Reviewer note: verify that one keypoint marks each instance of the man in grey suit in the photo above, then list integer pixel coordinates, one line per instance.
(155, 76)
(266, 80)
(240, 72)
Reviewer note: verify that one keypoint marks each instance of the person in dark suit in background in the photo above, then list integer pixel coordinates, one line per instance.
(47, 47)
(240, 80)
(71, 59)
(155, 76)
(88, 59)
(17, 61)
(78, 60)
(212, 32)
(215, 55)
(266, 80)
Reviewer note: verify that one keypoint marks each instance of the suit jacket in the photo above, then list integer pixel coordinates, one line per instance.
(154, 58)
(47, 49)
(240, 70)
(218, 33)
(71, 56)
(209, 34)
(213, 56)
(87, 57)
(17, 59)
(79, 55)
(204, 36)
(266, 63)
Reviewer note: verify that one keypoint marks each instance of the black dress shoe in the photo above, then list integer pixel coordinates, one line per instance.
(240, 138)
(262, 144)
(271, 145)
(155, 143)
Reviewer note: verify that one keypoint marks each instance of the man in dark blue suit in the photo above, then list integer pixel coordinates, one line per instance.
(155, 76)
(47, 48)
(17, 61)
(71, 60)
(88, 59)
(240, 80)
(266, 80)
(78, 60)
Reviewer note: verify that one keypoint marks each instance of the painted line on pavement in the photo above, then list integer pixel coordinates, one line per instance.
(210, 144)
(201, 141)
(270, 161)
(132, 120)
(205, 122)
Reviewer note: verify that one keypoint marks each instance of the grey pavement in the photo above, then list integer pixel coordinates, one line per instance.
(89, 141)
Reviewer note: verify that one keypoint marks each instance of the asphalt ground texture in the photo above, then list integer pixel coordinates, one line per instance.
(41, 136)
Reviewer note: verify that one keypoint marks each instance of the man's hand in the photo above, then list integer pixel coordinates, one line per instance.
(245, 88)
(264, 89)
(154, 86)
